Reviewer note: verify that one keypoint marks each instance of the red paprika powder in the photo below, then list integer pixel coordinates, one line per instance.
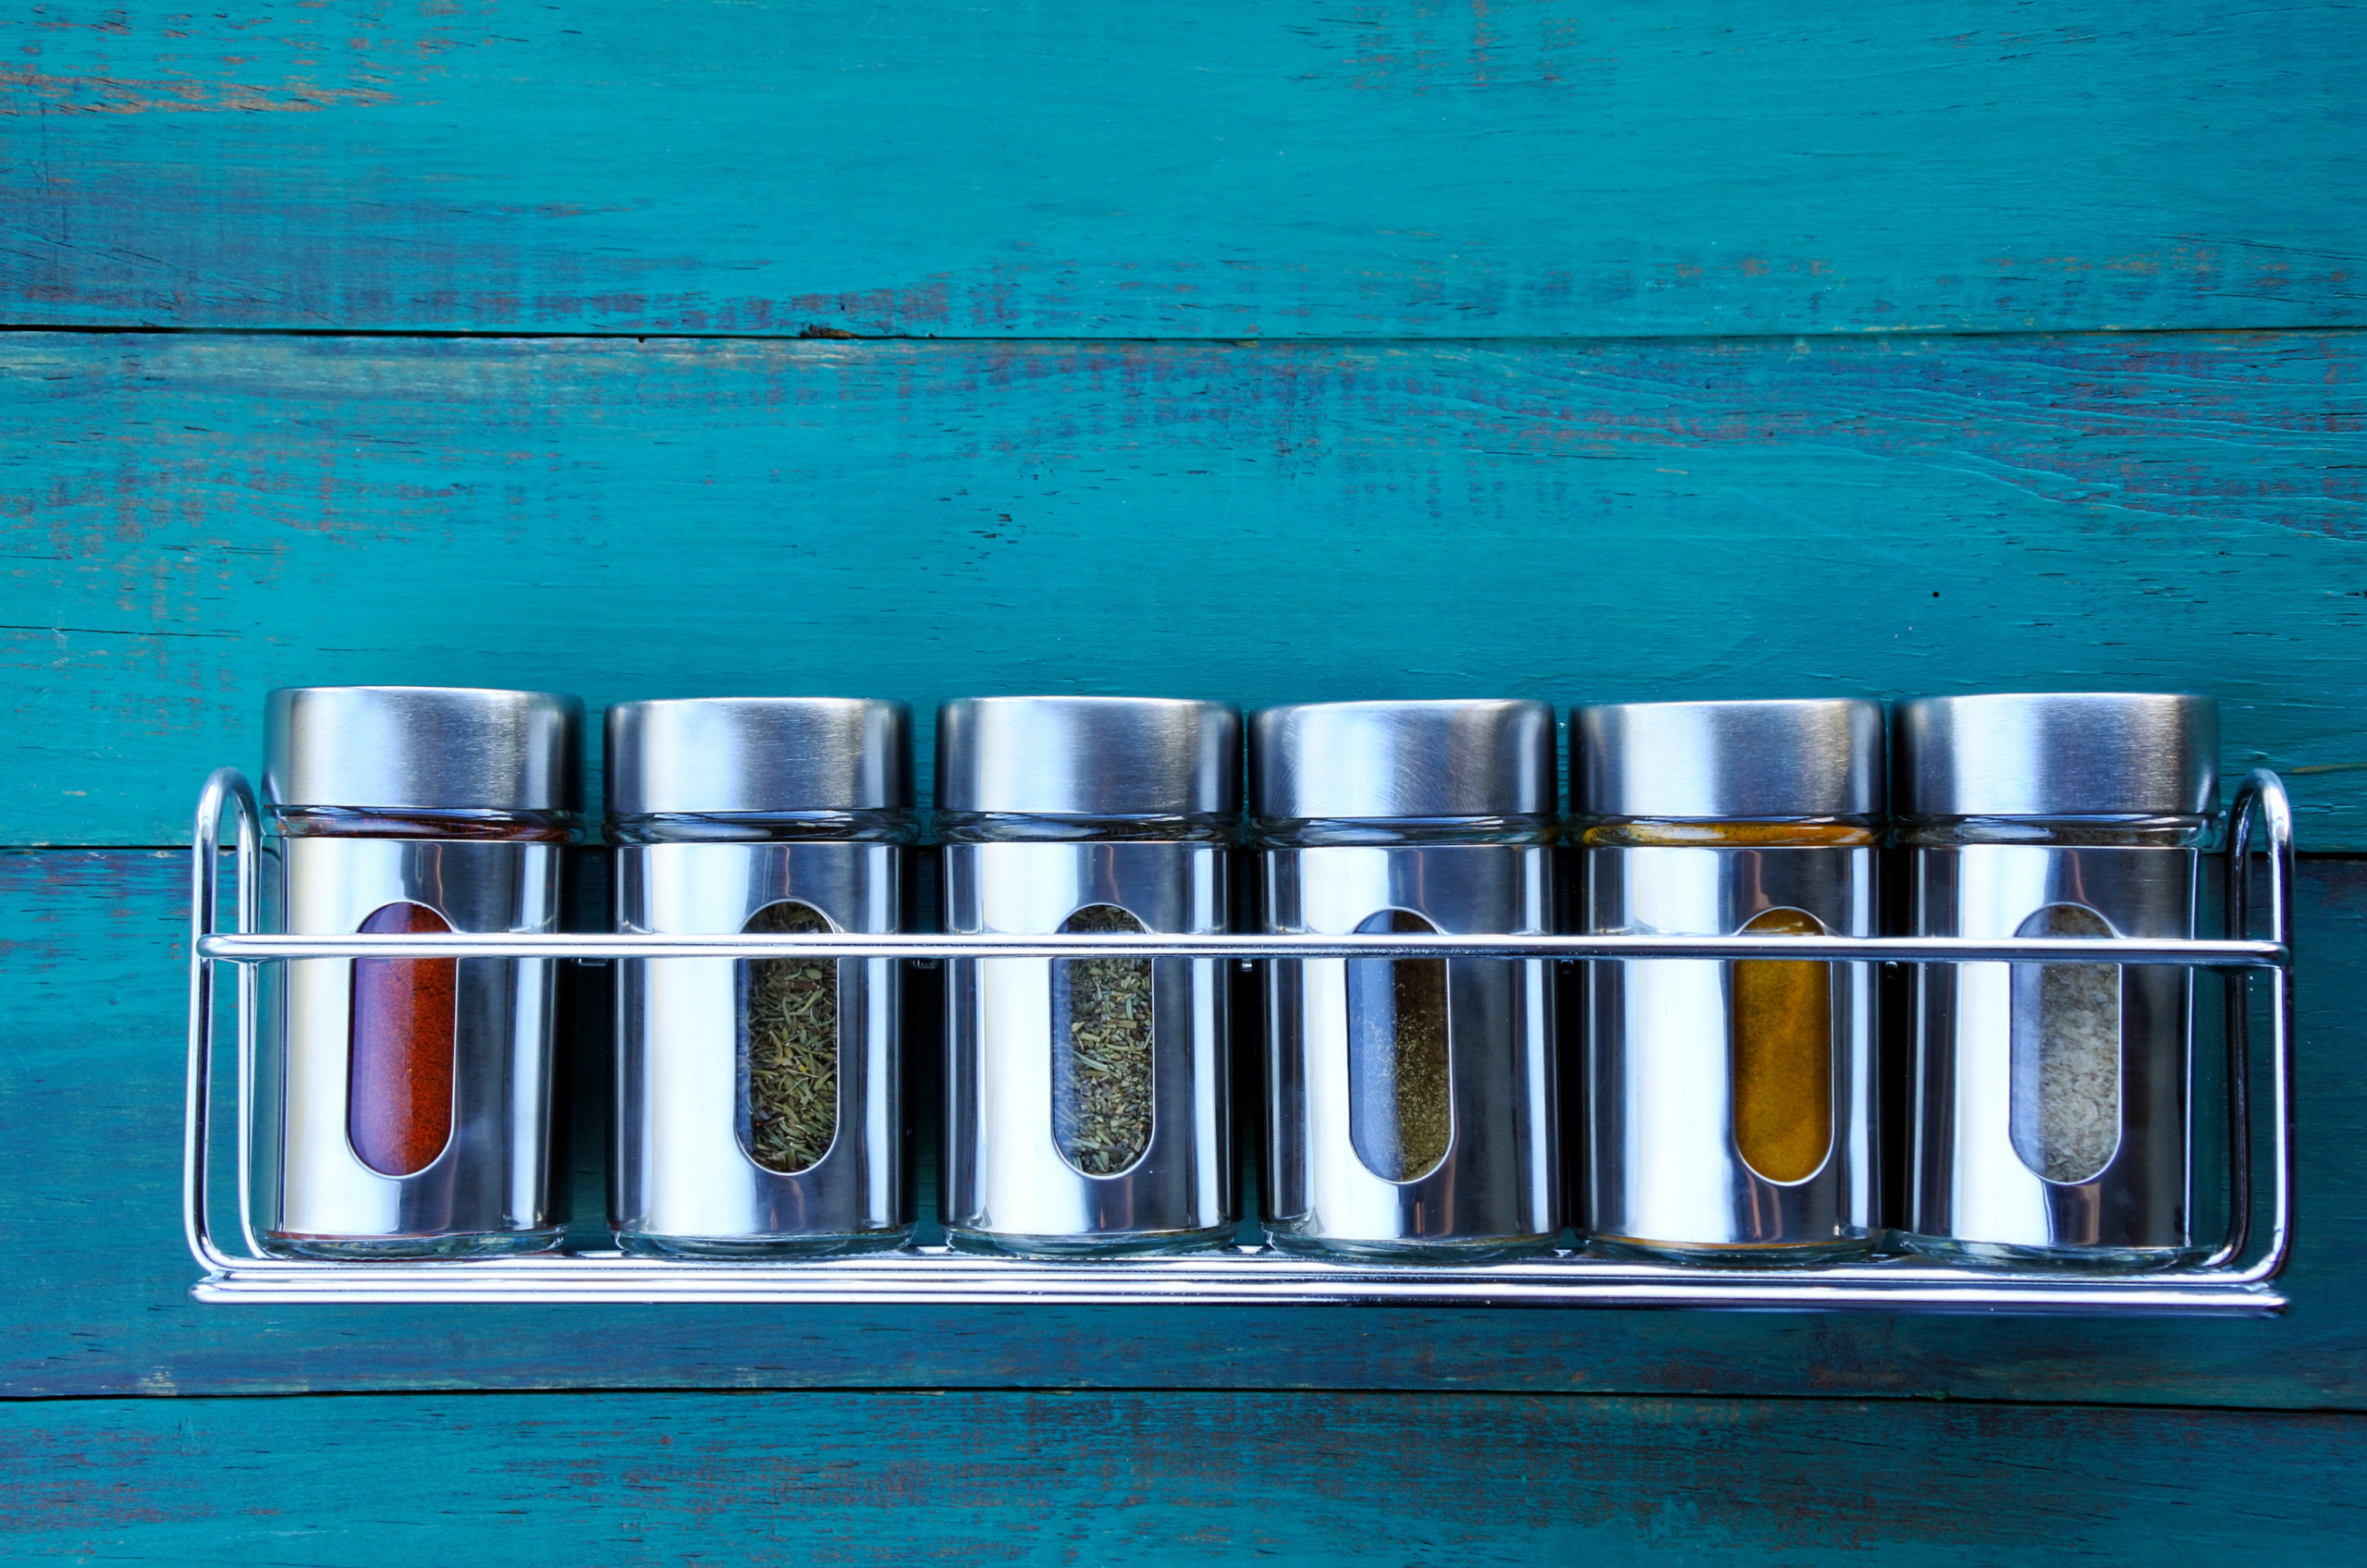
(399, 1089)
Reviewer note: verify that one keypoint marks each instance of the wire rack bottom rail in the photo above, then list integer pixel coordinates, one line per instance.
(1230, 1276)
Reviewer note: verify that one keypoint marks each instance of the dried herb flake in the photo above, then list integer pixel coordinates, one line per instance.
(791, 1012)
(1101, 1080)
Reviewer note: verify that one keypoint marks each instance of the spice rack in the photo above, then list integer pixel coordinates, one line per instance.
(2237, 1279)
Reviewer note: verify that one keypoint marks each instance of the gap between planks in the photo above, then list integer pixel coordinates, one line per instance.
(1105, 1391)
(1448, 341)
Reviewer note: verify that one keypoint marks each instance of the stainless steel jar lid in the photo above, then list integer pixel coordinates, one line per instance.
(705, 754)
(425, 748)
(1434, 759)
(1089, 756)
(1723, 761)
(2086, 754)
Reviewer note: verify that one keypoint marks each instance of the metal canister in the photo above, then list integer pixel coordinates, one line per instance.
(759, 1102)
(2052, 1100)
(1086, 1102)
(1732, 1107)
(402, 1106)
(1411, 1112)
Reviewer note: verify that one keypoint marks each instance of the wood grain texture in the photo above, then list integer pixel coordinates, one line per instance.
(1591, 370)
(1166, 168)
(1129, 1477)
(95, 1299)
(192, 519)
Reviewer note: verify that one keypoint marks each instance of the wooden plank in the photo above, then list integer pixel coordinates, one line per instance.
(1164, 168)
(95, 1304)
(1134, 1477)
(192, 519)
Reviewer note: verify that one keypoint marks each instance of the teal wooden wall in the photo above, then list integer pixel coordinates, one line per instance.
(1261, 351)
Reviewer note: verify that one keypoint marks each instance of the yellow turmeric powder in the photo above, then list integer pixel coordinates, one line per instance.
(1781, 1035)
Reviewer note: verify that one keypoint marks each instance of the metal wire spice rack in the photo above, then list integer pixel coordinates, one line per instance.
(2237, 1279)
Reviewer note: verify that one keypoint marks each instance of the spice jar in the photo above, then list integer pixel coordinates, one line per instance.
(1732, 1107)
(402, 1106)
(1411, 1111)
(2053, 1099)
(759, 1102)
(1085, 1098)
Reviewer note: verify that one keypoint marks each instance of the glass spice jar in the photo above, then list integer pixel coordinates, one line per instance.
(759, 1108)
(1732, 1107)
(1411, 1101)
(2052, 1100)
(402, 1106)
(1086, 1100)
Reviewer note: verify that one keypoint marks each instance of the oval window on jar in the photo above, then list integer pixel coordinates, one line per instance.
(1401, 1110)
(2065, 1115)
(788, 1046)
(1780, 1040)
(1103, 1027)
(398, 1081)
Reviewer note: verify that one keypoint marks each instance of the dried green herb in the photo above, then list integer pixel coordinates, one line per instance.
(791, 1026)
(1401, 1105)
(1101, 1063)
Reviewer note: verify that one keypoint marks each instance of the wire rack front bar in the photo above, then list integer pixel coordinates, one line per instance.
(2224, 1285)
(1906, 949)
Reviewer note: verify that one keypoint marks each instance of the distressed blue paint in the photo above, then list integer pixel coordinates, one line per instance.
(1172, 168)
(192, 519)
(1166, 1478)
(96, 1301)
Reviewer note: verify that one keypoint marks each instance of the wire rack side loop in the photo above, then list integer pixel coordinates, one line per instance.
(2262, 795)
(2219, 1287)
(225, 790)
